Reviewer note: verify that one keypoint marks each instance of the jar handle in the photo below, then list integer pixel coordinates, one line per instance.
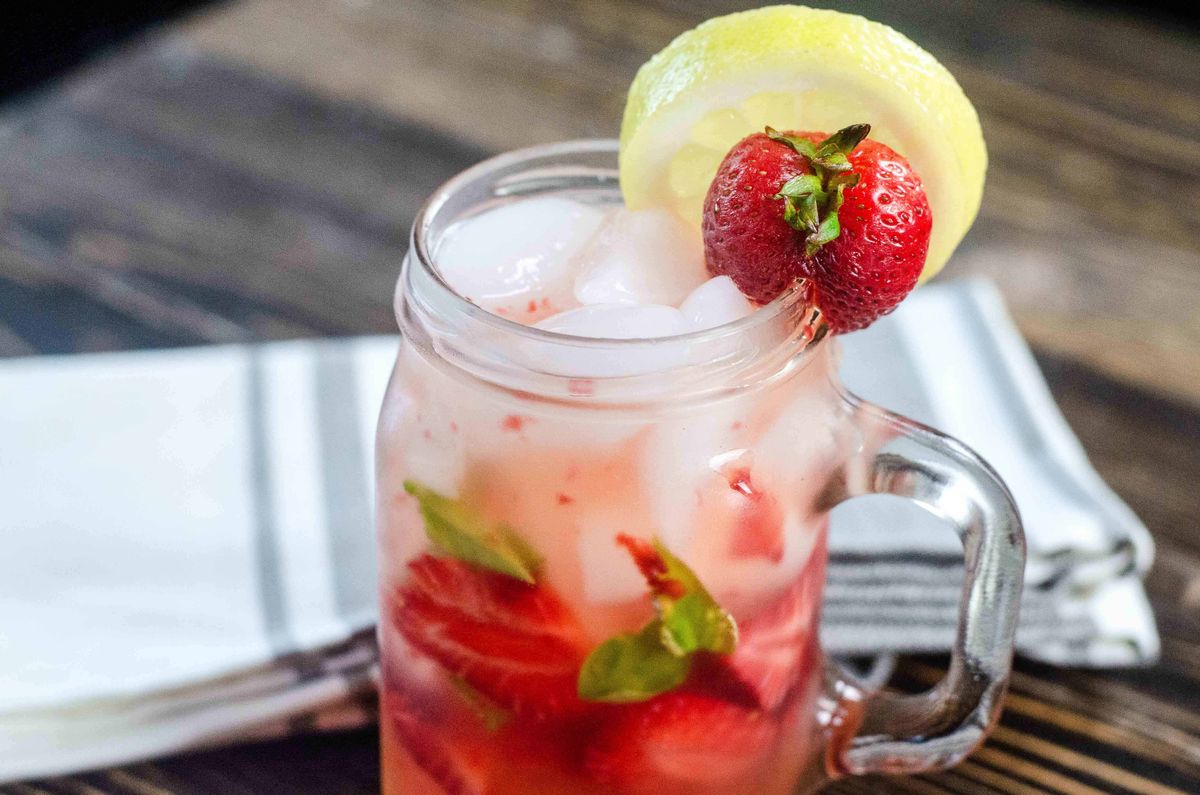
(892, 733)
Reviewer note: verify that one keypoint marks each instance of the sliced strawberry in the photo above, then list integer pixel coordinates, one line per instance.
(777, 647)
(516, 643)
(683, 742)
(455, 767)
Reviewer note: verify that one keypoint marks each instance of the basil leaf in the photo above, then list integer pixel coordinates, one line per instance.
(640, 665)
(697, 623)
(693, 622)
(457, 530)
(632, 667)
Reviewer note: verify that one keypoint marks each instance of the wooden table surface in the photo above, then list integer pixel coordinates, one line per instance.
(251, 173)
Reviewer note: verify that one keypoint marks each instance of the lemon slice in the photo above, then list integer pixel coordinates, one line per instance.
(798, 68)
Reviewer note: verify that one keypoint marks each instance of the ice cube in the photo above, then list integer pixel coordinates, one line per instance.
(519, 260)
(801, 449)
(698, 510)
(677, 459)
(716, 302)
(641, 257)
(612, 321)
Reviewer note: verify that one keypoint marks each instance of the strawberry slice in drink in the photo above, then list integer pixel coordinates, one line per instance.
(683, 742)
(514, 642)
(456, 767)
(777, 647)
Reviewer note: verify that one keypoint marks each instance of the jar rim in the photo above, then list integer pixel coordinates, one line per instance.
(763, 315)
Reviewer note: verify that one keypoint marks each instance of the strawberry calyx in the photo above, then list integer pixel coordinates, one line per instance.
(811, 201)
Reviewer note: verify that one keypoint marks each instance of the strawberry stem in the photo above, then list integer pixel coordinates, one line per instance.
(811, 201)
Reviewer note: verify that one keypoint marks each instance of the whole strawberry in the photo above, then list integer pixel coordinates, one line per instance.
(846, 213)
(745, 234)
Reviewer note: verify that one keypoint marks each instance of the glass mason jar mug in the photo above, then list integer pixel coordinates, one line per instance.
(602, 560)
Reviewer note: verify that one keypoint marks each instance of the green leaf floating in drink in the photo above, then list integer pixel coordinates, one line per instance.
(632, 667)
(692, 620)
(639, 665)
(457, 530)
(697, 623)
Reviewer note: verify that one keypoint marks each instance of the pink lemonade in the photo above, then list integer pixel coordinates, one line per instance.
(481, 669)
(538, 537)
(614, 433)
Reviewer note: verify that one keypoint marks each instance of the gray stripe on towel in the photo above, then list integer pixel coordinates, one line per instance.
(347, 504)
(266, 528)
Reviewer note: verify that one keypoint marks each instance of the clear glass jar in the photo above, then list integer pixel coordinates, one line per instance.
(539, 496)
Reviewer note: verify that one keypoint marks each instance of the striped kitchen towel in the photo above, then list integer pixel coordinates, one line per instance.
(187, 552)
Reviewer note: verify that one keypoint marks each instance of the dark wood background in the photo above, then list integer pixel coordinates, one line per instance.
(251, 173)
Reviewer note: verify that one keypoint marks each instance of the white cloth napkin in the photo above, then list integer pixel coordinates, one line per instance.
(187, 552)
(951, 357)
